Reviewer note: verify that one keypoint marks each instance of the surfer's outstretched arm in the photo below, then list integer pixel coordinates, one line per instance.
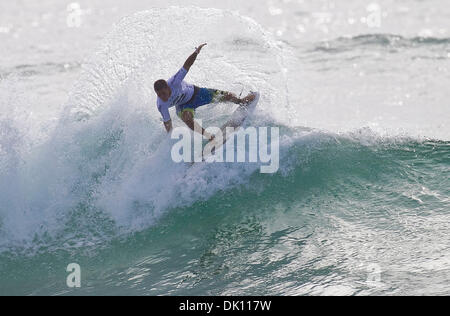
(191, 59)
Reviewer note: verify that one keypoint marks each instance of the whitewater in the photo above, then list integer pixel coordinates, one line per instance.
(360, 204)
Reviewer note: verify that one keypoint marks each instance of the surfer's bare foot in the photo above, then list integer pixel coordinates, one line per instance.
(230, 97)
(248, 98)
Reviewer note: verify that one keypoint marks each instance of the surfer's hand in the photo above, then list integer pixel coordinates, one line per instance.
(198, 49)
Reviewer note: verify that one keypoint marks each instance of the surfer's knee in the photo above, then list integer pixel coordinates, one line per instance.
(187, 116)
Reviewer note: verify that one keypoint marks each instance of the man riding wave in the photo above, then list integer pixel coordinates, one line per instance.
(187, 97)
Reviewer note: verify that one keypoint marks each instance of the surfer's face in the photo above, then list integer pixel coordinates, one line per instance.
(164, 94)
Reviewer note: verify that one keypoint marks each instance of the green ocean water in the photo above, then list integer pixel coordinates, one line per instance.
(360, 204)
(342, 212)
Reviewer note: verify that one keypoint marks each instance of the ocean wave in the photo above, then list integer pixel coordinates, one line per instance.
(105, 171)
(382, 41)
(104, 189)
(48, 68)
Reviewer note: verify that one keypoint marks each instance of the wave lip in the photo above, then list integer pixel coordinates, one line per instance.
(138, 50)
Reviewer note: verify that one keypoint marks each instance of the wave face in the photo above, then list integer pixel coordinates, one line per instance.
(357, 207)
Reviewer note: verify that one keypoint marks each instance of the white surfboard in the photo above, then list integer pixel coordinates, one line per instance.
(238, 119)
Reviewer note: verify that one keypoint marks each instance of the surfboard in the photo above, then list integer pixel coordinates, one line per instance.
(238, 119)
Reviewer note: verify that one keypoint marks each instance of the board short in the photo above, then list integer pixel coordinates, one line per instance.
(201, 96)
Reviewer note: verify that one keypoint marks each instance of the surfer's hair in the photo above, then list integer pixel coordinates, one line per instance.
(160, 84)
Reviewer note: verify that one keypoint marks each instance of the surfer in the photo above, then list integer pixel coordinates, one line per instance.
(187, 97)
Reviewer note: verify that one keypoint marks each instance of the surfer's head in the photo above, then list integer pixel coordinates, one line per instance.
(162, 89)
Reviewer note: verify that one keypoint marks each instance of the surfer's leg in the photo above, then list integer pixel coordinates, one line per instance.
(225, 96)
(188, 118)
(207, 96)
